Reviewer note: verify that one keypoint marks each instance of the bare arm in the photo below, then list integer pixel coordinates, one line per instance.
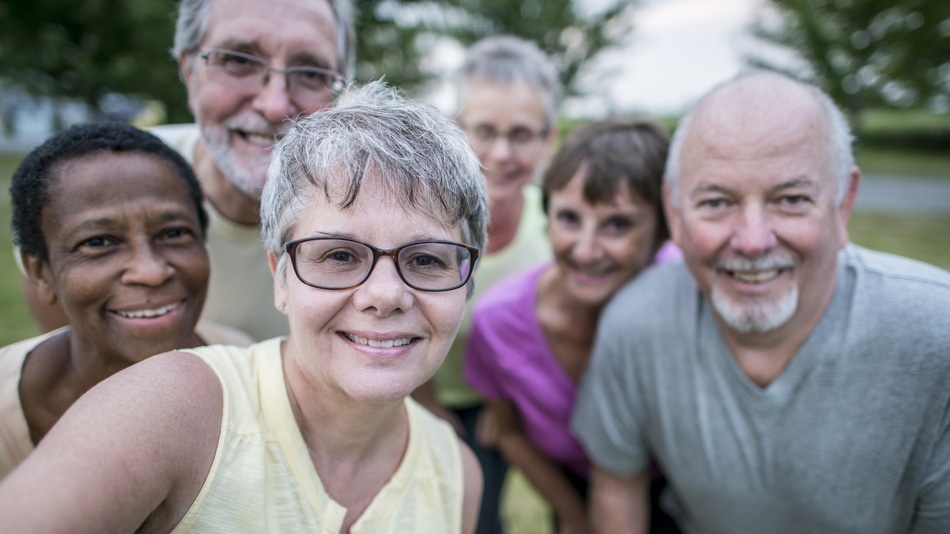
(541, 472)
(620, 504)
(131, 453)
(472, 475)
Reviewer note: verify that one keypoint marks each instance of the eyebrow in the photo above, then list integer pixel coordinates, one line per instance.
(798, 181)
(298, 58)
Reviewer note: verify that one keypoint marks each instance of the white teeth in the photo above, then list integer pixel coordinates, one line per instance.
(754, 277)
(257, 139)
(379, 343)
(139, 314)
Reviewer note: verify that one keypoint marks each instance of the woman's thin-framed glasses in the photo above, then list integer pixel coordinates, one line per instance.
(520, 138)
(340, 263)
(248, 73)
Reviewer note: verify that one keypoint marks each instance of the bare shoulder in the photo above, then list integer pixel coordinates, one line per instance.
(472, 476)
(144, 439)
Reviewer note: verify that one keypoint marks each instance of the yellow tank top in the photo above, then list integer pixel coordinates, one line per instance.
(262, 478)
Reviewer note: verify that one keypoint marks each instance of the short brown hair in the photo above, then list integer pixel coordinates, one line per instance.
(613, 151)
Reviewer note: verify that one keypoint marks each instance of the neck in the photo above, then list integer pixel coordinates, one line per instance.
(227, 199)
(503, 225)
(337, 428)
(569, 325)
(763, 356)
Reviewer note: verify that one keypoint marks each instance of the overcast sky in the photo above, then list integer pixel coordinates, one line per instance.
(678, 50)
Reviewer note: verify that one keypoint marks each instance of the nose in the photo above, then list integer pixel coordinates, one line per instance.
(500, 148)
(586, 248)
(147, 266)
(384, 292)
(753, 234)
(273, 100)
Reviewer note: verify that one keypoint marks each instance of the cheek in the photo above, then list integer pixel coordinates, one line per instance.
(702, 239)
(213, 103)
(77, 286)
(445, 314)
(561, 242)
(193, 265)
(632, 251)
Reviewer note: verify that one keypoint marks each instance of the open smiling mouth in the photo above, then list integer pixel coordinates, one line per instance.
(147, 314)
(259, 139)
(379, 343)
(754, 277)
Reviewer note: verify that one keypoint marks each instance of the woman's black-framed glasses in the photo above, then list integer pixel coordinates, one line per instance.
(339, 263)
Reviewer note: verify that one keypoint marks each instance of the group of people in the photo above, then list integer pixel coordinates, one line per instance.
(331, 308)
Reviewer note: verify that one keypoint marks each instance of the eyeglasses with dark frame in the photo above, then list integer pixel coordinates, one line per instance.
(340, 263)
(250, 74)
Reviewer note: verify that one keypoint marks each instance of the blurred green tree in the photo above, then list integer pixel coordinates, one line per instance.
(92, 50)
(864, 53)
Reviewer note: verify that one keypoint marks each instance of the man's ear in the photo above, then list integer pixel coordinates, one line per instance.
(847, 204)
(186, 72)
(37, 272)
(673, 217)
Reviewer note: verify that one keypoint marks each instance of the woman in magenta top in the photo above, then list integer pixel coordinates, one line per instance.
(532, 334)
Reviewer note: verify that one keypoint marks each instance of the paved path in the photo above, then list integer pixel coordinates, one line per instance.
(904, 195)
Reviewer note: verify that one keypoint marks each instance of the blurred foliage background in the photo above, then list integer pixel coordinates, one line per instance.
(111, 54)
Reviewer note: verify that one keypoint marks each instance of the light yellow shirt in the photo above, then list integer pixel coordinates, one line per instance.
(262, 478)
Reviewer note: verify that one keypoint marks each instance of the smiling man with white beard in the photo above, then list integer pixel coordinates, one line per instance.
(784, 380)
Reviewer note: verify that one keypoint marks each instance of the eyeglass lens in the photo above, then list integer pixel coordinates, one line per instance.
(519, 137)
(249, 73)
(341, 263)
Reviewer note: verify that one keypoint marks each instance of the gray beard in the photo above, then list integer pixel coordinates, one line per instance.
(224, 159)
(756, 316)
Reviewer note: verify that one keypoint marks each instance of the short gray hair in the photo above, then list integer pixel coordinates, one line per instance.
(419, 155)
(506, 60)
(839, 134)
(195, 15)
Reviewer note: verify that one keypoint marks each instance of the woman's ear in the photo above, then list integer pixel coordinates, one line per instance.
(280, 289)
(37, 273)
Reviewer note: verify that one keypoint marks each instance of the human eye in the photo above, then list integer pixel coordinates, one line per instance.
(331, 255)
(521, 135)
(238, 64)
(711, 203)
(618, 225)
(567, 218)
(794, 201)
(483, 133)
(99, 244)
(178, 235)
(429, 257)
(312, 77)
